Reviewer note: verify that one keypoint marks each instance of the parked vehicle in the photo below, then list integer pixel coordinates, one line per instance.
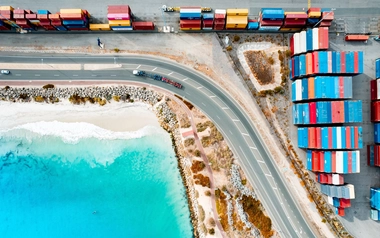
(156, 77)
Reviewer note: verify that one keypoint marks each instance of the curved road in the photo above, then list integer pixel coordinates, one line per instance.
(228, 116)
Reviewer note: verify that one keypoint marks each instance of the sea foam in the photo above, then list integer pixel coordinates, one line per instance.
(72, 133)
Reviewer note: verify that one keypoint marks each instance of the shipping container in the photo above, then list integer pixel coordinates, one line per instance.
(190, 10)
(270, 22)
(375, 215)
(269, 28)
(143, 25)
(356, 37)
(100, 27)
(190, 29)
(375, 111)
(253, 25)
(190, 16)
(314, 12)
(377, 68)
(294, 23)
(118, 16)
(327, 178)
(346, 191)
(122, 28)
(373, 155)
(237, 12)
(119, 23)
(69, 11)
(236, 22)
(375, 198)
(272, 13)
(340, 162)
(296, 15)
(6, 8)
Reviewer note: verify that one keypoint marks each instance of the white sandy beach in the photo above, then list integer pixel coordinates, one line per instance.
(114, 116)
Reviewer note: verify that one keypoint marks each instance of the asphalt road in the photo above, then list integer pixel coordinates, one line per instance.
(230, 119)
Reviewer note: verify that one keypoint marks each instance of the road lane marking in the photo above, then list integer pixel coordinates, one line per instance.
(75, 75)
(18, 74)
(261, 161)
(185, 79)
(235, 120)
(187, 93)
(56, 75)
(37, 75)
(153, 69)
(138, 66)
(113, 75)
(244, 134)
(199, 87)
(170, 73)
(203, 104)
(225, 108)
(253, 148)
(231, 132)
(218, 117)
(212, 96)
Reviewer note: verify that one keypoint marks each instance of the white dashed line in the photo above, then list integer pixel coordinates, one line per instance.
(269, 175)
(262, 161)
(218, 117)
(235, 120)
(199, 87)
(185, 79)
(18, 74)
(187, 93)
(231, 132)
(138, 66)
(75, 75)
(203, 104)
(213, 96)
(253, 148)
(244, 134)
(154, 69)
(56, 75)
(170, 73)
(37, 75)
(225, 108)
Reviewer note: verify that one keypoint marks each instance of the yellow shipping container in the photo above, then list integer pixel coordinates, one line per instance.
(239, 26)
(237, 20)
(237, 12)
(73, 11)
(287, 13)
(100, 27)
(190, 29)
(119, 22)
(6, 8)
(290, 29)
(314, 14)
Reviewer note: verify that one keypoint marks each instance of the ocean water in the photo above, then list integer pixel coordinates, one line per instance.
(78, 180)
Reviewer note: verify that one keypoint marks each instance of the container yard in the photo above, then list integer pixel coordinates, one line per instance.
(120, 18)
(340, 162)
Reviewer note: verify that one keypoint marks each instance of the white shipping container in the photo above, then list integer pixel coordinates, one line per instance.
(121, 29)
(303, 42)
(357, 154)
(329, 61)
(296, 43)
(338, 137)
(339, 162)
(336, 179)
(315, 39)
(378, 88)
(330, 200)
(374, 214)
(192, 10)
(220, 11)
(298, 90)
(352, 190)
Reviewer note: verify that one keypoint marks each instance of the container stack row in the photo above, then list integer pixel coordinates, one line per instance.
(330, 138)
(271, 19)
(309, 40)
(373, 151)
(294, 21)
(322, 93)
(326, 63)
(327, 112)
(322, 87)
(237, 19)
(375, 203)
(219, 19)
(75, 19)
(190, 18)
(119, 17)
(208, 21)
(321, 17)
(340, 162)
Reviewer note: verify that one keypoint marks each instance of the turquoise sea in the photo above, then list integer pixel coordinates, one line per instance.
(78, 180)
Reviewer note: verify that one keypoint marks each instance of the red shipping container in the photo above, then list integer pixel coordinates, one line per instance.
(31, 16)
(19, 11)
(123, 8)
(6, 12)
(341, 87)
(313, 112)
(292, 45)
(19, 16)
(341, 211)
(349, 137)
(314, 160)
(318, 138)
(325, 24)
(311, 139)
(294, 23)
(315, 62)
(356, 140)
(220, 16)
(376, 111)
(373, 89)
(335, 110)
(329, 178)
(356, 62)
(293, 67)
(54, 17)
(330, 137)
(313, 9)
(322, 162)
(71, 16)
(143, 25)
(270, 23)
(344, 203)
(376, 155)
(343, 61)
(296, 16)
(328, 16)
(356, 37)
(5, 17)
(333, 160)
(56, 23)
(309, 64)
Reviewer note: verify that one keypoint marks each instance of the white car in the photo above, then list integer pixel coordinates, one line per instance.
(4, 71)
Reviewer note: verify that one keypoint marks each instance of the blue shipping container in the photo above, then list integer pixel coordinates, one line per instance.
(361, 62)
(255, 26)
(306, 114)
(190, 16)
(81, 23)
(302, 65)
(61, 28)
(327, 167)
(43, 12)
(377, 66)
(309, 40)
(305, 94)
(208, 16)
(308, 161)
(377, 132)
(272, 13)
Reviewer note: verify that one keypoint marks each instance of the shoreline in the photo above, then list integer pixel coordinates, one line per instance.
(140, 113)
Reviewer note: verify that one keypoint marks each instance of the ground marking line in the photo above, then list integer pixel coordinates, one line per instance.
(244, 134)
(225, 108)
(37, 75)
(231, 132)
(170, 73)
(218, 117)
(254, 148)
(187, 93)
(203, 104)
(235, 120)
(138, 66)
(213, 96)
(199, 87)
(185, 79)
(261, 161)
(269, 175)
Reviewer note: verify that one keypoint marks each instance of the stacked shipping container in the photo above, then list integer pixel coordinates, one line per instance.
(190, 18)
(334, 149)
(74, 19)
(294, 21)
(322, 87)
(373, 151)
(314, 14)
(253, 24)
(271, 19)
(340, 162)
(119, 17)
(327, 16)
(328, 138)
(375, 203)
(208, 21)
(327, 112)
(220, 19)
(237, 19)
(6, 18)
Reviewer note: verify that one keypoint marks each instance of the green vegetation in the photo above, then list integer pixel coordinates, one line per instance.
(236, 38)
(117, 50)
(39, 99)
(47, 86)
(116, 98)
(197, 153)
(189, 142)
(221, 208)
(229, 48)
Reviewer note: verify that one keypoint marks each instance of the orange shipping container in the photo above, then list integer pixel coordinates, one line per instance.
(311, 89)
(309, 63)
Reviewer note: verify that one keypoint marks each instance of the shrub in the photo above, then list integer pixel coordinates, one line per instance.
(6, 88)
(39, 99)
(278, 89)
(271, 60)
(116, 98)
(236, 38)
(201, 213)
(197, 166)
(206, 141)
(211, 221)
(202, 180)
(48, 86)
(117, 50)
(229, 48)
(189, 142)
(211, 231)
(208, 193)
(244, 181)
(197, 153)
